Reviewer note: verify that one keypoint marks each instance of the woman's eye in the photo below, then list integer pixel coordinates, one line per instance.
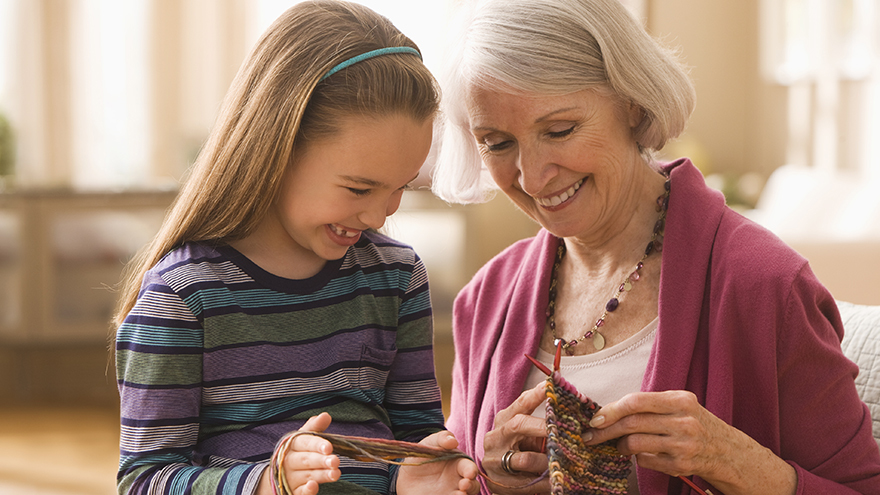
(562, 133)
(492, 146)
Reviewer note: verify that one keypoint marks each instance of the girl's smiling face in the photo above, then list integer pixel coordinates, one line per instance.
(567, 161)
(338, 187)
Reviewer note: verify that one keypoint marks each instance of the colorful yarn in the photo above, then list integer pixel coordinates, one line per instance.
(360, 449)
(577, 468)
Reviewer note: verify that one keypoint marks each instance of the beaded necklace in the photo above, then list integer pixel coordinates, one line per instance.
(598, 340)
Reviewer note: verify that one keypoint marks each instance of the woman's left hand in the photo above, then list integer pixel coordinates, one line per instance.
(455, 477)
(672, 433)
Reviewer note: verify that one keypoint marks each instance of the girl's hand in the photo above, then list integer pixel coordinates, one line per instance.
(518, 431)
(456, 477)
(309, 461)
(672, 433)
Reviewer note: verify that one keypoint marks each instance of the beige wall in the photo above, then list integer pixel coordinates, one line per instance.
(739, 124)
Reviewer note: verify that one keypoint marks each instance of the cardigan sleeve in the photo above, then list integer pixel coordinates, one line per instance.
(460, 413)
(825, 428)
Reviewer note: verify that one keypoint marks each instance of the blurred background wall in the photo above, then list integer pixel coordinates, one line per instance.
(104, 104)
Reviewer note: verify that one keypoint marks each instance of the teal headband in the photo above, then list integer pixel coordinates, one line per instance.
(371, 54)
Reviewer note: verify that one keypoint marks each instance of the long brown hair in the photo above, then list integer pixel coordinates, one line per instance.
(277, 103)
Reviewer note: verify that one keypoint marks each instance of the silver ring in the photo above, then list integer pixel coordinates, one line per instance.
(505, 462)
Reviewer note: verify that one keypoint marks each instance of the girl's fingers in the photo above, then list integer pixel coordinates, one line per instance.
(467, 469)
(304, 478)
(308, 443)
(441, 439)
(310, 461)
(313, 443)
(310, 488)
(317, 423)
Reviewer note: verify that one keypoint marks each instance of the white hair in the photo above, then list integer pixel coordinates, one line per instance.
(554, 47)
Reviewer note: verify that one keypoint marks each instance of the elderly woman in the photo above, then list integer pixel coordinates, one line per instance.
(714, 350)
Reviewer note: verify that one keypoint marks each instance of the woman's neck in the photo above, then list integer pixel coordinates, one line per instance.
(609, 252)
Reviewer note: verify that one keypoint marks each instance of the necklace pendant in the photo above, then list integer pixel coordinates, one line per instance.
(598, 341)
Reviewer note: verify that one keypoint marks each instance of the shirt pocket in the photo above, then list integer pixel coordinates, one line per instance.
(375, 364)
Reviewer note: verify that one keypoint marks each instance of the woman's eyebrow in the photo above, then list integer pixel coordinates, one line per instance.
(554, 112)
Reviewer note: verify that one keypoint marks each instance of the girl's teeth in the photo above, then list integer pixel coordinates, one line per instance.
(557, 200)
(343, 232)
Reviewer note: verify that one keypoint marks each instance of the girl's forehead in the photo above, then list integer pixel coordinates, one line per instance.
(385, 150)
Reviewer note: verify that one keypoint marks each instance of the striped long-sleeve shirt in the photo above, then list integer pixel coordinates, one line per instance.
(218, 359)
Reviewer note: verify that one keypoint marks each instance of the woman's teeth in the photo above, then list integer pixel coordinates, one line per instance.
(556, 200)
(344, 233)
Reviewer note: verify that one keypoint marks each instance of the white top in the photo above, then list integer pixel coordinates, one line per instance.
(604, 376)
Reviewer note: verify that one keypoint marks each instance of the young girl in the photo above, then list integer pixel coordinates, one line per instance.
(267, 298)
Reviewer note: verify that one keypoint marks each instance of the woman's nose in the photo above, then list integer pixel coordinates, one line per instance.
(534, 171)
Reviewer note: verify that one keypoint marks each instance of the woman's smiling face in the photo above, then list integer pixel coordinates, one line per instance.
(567, 161)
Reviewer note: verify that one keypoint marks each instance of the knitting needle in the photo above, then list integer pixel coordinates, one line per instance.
(539, 365)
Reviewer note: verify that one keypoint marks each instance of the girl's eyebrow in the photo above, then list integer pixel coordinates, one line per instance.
(362, 180)
(370, 182)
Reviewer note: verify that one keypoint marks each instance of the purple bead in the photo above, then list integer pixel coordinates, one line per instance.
(612, 304)
(640, 266)
(659, 225)
(650, 248)
(634, 276)
(599, 323)
(572, 343)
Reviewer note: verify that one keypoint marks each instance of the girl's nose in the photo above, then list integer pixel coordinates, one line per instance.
(374, 216)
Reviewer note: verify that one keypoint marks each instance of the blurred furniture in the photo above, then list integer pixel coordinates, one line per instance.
(832, 218)
(61, 258)
(861, 343)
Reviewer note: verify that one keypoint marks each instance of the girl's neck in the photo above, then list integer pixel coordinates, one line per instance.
(278, 255)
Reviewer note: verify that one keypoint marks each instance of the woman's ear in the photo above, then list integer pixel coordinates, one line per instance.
(636, 115)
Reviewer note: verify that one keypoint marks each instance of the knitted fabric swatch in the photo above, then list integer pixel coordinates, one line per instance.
(576, 468)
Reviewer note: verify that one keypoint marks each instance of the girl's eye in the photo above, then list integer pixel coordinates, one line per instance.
(359, 192)
(561, 134)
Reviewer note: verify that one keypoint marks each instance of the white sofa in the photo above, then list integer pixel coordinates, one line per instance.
(861, 343)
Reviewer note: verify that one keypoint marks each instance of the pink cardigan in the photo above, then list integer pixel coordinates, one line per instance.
(744, 324)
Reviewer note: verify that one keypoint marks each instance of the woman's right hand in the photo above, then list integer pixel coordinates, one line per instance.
(309, 461)
(518, 431)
